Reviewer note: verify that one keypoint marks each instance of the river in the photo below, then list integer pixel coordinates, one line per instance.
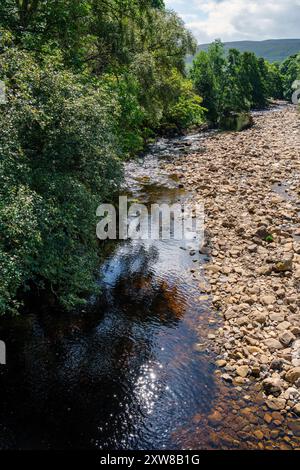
(131, 371)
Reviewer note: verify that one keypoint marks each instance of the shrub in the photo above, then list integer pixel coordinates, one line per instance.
(58, 162)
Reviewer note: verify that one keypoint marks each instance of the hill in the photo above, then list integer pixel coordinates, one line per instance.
(272, 49)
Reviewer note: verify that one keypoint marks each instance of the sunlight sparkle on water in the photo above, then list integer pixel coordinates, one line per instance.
(147, 387)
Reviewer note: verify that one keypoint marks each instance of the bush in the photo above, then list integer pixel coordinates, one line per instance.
(58, 163)
(184, 109)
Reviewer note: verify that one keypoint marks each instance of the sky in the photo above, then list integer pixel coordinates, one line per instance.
(237, 20)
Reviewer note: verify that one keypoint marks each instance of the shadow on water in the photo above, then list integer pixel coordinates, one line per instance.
(124, 374)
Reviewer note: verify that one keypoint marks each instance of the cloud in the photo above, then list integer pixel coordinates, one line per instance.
(232, 20)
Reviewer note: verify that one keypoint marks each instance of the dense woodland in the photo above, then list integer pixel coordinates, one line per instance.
(88, 84)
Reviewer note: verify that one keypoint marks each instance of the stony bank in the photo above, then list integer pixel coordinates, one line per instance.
(249, 183)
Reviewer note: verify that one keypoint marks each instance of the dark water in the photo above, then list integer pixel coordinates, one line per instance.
(125, 374)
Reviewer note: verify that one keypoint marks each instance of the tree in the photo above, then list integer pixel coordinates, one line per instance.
(88, 82)
(290, 70)
(205, 84)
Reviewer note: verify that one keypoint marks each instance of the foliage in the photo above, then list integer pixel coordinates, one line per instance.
(233, 81)
(184, 109)
(290, 70)
(58, 162)
(88, 82)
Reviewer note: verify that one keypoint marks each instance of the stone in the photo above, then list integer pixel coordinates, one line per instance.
(296, 409)
(263, 270)
(277, 317)
(286, 338)
(272, 386)
(213, 268)
(273, 344)
(254, 349)
(295, 330)
(221, 363)
(230, 313)
(285, 325)
(276, 404)
(267, 418)
(293, 375)
(242, 371)
(268, 299)
(227, 378)
(294, 426)
(276, 364)
(262, 232)
(260, 317)
(255, 371)
(284, 265)
(215, 417)
(259, 434)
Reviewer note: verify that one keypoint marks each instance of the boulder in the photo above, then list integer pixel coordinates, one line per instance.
(236, 122)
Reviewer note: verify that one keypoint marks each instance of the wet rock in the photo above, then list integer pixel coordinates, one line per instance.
(215, 418)
(258, 434)
(255, 371)
(268, 418)
(227, 378)
(276, 404)
(294, 426)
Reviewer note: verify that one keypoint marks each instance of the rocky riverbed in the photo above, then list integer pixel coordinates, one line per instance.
(249, 184)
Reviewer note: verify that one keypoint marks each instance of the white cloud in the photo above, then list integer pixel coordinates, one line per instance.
(233, 20)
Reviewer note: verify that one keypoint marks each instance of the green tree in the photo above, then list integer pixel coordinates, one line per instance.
(205, 84)
(290, 70)
(58, 162)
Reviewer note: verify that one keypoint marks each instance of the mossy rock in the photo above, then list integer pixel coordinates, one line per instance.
(236, 122)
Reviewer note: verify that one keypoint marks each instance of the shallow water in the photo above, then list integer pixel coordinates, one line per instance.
(125, 374)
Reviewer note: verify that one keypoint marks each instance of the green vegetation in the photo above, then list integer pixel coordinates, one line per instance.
(290, 71)
(88, 83)
(237, 82)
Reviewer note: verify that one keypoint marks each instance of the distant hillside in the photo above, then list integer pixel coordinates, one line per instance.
(273, 49)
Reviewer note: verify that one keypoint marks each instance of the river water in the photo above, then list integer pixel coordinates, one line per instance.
(126, 373)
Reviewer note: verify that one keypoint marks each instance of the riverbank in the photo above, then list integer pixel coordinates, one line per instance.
(249, 183)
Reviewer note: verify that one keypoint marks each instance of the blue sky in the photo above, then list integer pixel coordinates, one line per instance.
(232, 20)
